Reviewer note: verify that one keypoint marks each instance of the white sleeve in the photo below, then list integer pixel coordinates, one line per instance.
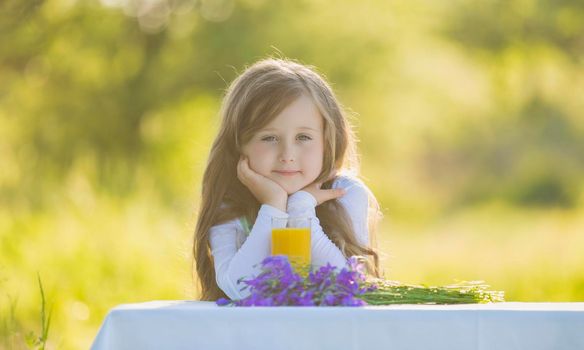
(355, 201)
(232, 264)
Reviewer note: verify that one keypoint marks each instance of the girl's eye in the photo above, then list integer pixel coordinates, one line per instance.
(274, 138)
(269, 138)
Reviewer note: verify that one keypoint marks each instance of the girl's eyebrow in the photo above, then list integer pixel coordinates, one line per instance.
(299, 128)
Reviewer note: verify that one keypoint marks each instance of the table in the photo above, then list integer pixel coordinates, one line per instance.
(203, 325)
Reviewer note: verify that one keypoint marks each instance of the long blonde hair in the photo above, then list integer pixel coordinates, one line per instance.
(252, 100)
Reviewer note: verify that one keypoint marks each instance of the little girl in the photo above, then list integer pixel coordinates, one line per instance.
(284, 148)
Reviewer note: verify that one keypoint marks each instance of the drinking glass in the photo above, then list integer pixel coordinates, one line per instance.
(291, 237)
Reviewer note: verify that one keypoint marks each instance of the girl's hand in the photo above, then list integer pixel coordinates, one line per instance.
(265, 190)
(321, 195)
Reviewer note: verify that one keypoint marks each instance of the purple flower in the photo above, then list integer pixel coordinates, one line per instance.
(356, 265)
(279, 285)
(329, 299)
(321, 274)
(306, 299)
(223, 301)
(351, 301)
(346, 279)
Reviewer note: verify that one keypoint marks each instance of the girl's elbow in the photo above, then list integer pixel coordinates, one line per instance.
(229, 290)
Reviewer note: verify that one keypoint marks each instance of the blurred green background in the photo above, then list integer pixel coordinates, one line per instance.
(469, 115)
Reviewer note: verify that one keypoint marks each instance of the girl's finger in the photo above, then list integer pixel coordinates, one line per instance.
(339, 192)
(333, 194)
(245, 167)
(241, 173)
(248, 174)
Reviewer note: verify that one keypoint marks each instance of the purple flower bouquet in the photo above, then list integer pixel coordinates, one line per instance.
(279, 285)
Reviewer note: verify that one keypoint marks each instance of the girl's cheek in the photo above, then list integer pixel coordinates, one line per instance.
(315, 150)
(258, 150)
(260, 158)
(314, 155)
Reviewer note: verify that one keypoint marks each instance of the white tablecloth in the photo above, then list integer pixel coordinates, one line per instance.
(203, 325)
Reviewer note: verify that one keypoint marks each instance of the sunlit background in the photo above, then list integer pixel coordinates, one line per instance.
(469, 115)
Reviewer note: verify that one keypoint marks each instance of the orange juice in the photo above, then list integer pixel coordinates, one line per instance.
(293, 242)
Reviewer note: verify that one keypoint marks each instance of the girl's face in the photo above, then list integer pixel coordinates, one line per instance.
(289, 150)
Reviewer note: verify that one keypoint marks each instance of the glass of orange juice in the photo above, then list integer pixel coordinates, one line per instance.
(291, 237)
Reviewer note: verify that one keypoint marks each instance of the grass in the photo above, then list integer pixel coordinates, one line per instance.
(12, 331)
(532, 255)
(40, 342)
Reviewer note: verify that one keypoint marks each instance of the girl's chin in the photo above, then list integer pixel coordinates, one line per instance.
(293, 191)
(290, 188)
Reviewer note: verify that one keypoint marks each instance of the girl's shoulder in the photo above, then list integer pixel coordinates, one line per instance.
(237, 223)
(227, 223)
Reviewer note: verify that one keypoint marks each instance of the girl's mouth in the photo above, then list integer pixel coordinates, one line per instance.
(287, 172)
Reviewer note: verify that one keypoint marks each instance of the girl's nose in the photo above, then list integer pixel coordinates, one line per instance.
(286, 157)
(286, 154)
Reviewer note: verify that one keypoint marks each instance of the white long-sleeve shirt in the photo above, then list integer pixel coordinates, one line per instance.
(235, 251)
